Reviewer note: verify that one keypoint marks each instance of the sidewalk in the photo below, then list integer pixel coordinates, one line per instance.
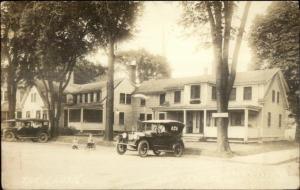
(269, 158)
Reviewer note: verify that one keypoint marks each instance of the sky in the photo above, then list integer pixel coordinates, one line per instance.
(159, 32)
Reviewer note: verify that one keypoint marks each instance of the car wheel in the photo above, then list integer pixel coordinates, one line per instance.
(143, 148)
(156, 152)
(9, 136)
(178, 149)
(121, 149)
(43, 137)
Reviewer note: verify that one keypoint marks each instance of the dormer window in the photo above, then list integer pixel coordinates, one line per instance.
(195, 94)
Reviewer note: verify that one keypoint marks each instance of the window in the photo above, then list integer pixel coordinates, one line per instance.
(213, 93)
(279, 121)
(162, 99)
(38, 114)
(195, 92)
(247, 93)
(143, 102)
(86, 97)
(237, 118)
(177, 96)
(142, 116)
(75, 115)
(122, 98)
(92, 116)
(28, 114)
(149, 116)
(128, 98)
(278, 97)
(121, 118)
(161, 116)
(232, 96)
(269, 119)
(33, 97)
(19, 114)
(80, 98)
(98, 95)
(44, 114)
(92, 97)
(125, 98)
(273, 95)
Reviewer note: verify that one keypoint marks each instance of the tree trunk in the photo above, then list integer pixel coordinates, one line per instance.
(11, 91)
(108, 136)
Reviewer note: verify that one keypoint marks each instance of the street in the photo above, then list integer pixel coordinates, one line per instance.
(27, 165)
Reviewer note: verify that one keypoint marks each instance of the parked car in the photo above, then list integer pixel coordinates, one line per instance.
(156, 135)
(34, 129)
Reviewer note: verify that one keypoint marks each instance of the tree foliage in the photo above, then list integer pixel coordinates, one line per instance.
(274, 40)
(149, 66)
(15, 62)
(86, 71)
(55, 35)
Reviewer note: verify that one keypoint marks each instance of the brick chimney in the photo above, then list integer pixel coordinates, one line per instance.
(132, 72)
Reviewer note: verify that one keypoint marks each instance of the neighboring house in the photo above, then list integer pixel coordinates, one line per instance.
(257, 106)
(4, 101)
(85, 105)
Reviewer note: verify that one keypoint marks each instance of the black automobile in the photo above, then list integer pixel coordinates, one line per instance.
(35, 129)
(156, 135)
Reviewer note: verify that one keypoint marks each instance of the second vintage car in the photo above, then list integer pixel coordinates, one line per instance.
(34, 129)
(156, 135)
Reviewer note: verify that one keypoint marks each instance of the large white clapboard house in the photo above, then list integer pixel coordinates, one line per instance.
(257, 108)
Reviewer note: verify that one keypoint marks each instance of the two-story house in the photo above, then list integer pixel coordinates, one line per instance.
(85, 105)
(257, 106)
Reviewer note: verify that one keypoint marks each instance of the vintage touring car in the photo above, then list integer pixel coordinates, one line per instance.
(156, 135)
(34, 129)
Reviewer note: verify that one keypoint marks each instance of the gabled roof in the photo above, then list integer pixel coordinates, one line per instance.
(249, 77)
(89, 87)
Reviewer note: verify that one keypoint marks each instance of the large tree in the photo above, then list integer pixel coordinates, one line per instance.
(219, 15)
(111, 22)
(55, 34)
(148, 66)
(274, 39)
(86, 71)
(14, 61)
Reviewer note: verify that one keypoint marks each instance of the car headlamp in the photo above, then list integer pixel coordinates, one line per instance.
(124, 135)
(136, 136)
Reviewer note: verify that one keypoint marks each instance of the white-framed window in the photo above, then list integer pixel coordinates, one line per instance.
(162, 116)
(121, 118)
(248, 93)
(33, 97)
(125, 98)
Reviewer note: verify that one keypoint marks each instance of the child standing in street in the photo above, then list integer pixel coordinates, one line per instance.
(90, 143)
(75, 144)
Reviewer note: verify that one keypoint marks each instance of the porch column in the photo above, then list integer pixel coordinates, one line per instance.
(246, 126)
(68, 116)
(204, 121)
(81, 119)
(184, 121)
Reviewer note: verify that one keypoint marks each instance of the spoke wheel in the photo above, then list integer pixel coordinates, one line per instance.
(9, 136)
(121, 149)
(43, 137)
(178, 149)
(156, 152)
(143, 148)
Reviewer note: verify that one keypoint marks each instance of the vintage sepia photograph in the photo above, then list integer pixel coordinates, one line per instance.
(150, 95)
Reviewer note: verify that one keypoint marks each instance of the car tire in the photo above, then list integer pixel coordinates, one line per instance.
(178, 149)
(43, 137)
(156, 152)
(9, 136)
(143, 148)
(121, 149)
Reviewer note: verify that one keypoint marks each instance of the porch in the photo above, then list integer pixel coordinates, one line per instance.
(244, 123)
